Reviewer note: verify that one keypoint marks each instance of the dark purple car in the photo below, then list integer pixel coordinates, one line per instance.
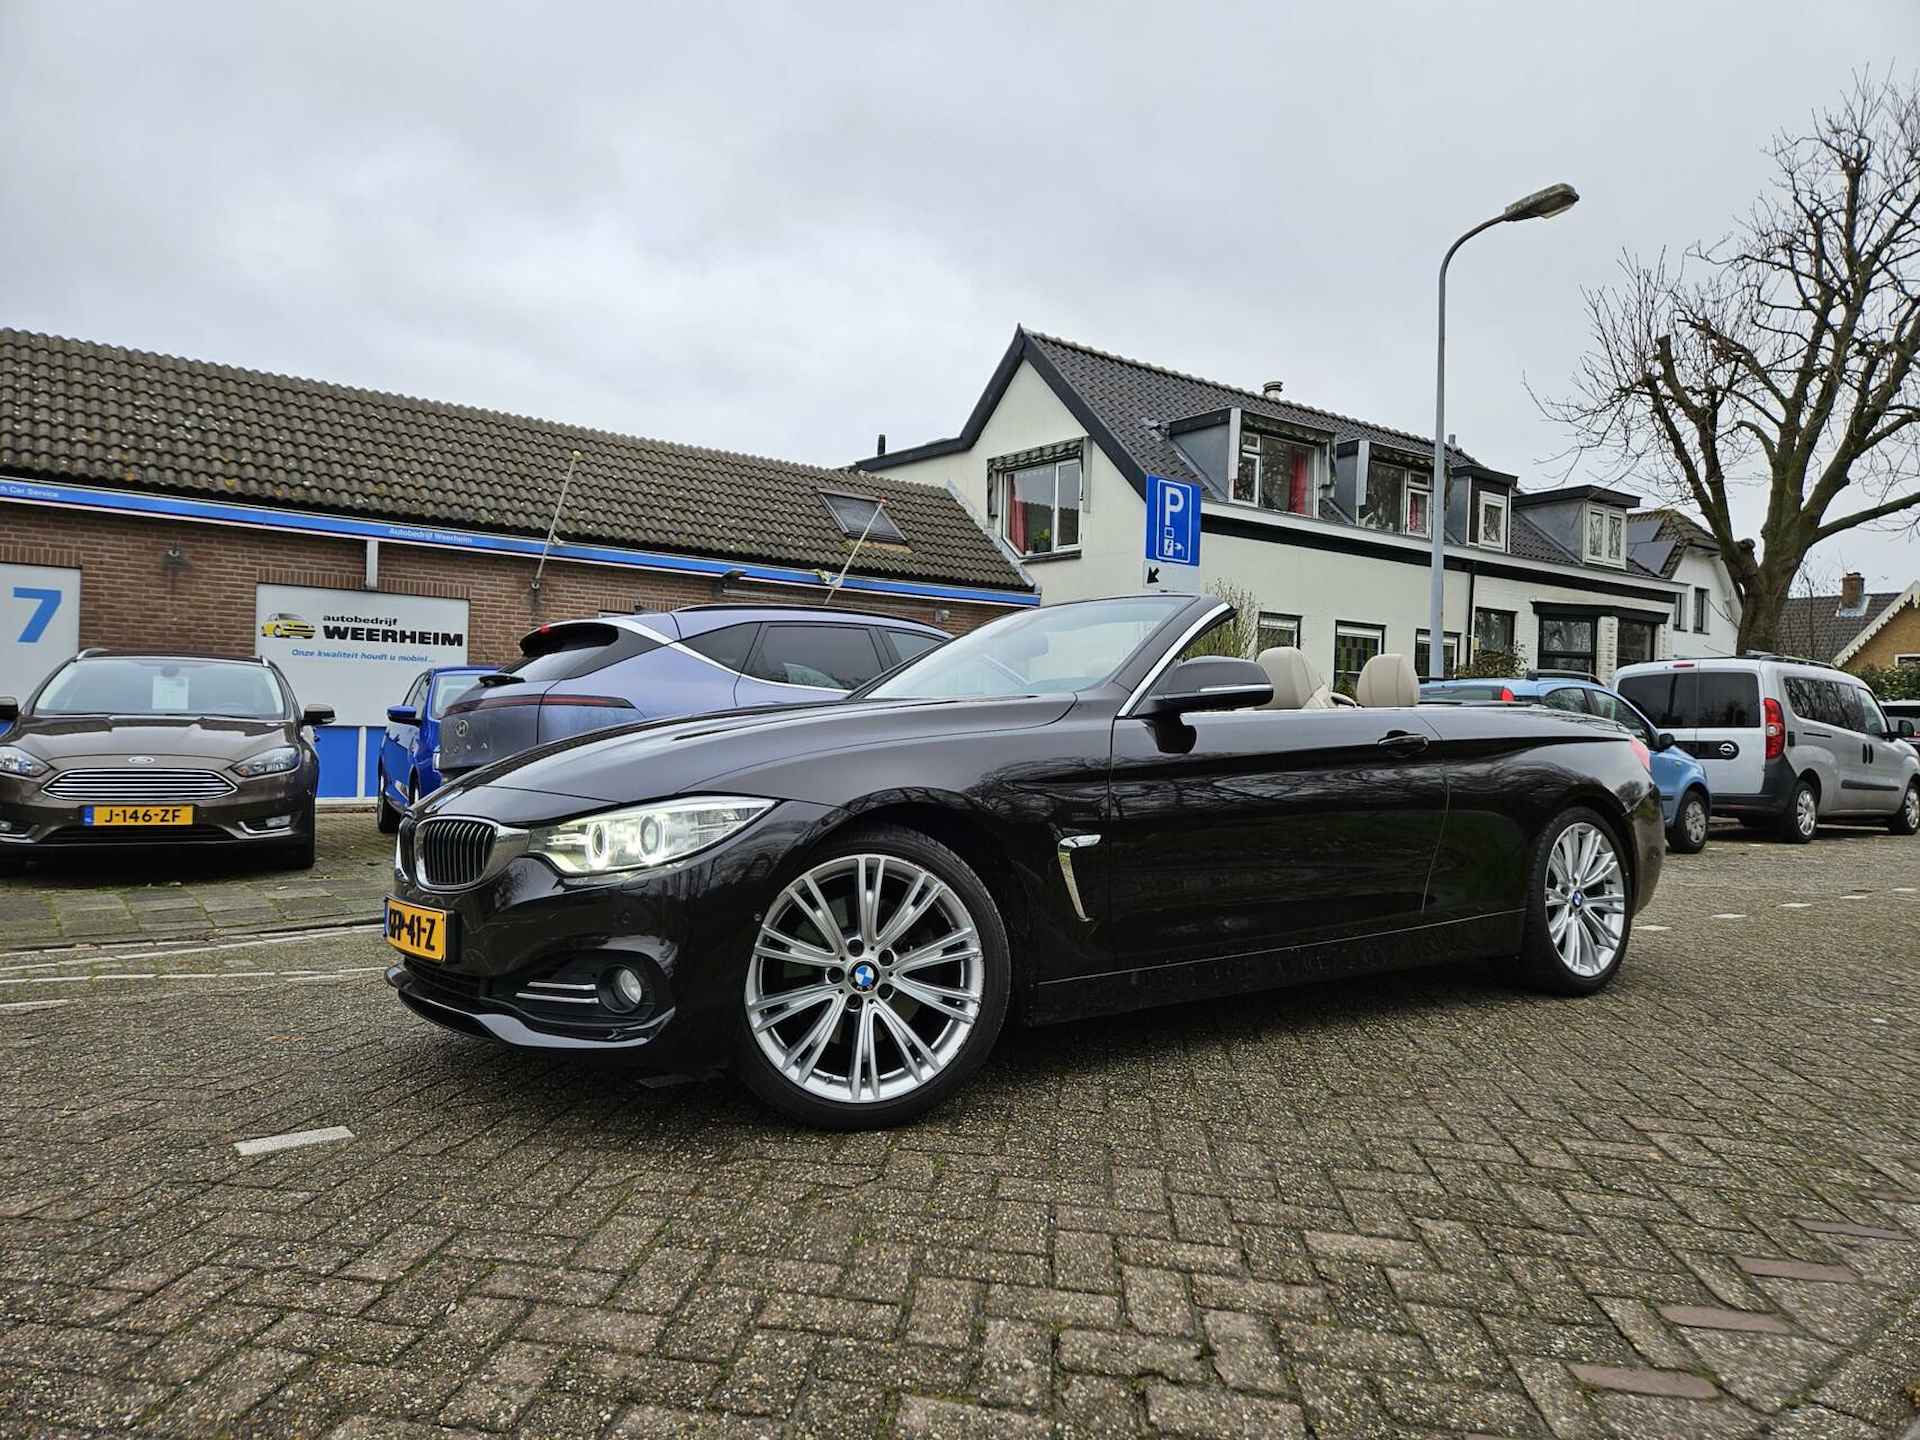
(581, 675)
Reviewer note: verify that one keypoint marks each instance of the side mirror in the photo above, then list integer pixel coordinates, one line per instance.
(1902, 727)
(1663, 740)
(10, 710)
(317, 715)
(403, 715)
(1210, 682)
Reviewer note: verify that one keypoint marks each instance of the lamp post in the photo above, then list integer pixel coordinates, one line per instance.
(1541, 205)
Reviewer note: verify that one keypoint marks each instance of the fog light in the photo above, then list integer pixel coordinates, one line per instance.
(271, 822)
(13, 827)
(622, 990)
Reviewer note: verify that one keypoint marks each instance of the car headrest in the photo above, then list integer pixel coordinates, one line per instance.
(1294, 682)
(1387, 681)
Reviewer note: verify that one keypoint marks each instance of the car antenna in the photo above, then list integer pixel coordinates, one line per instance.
(554, 525)
(833, 589)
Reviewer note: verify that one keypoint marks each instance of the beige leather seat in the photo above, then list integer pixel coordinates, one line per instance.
(1387, 681)
(1295, 686)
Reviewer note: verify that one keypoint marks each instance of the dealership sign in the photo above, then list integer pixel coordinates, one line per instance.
(356, 650)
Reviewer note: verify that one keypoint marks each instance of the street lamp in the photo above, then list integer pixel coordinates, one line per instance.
(1541, 205)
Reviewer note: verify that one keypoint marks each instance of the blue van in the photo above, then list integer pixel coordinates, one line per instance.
(1686, 802)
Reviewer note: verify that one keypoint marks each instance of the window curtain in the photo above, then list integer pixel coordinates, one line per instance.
(1016, 517)
(1300, 502)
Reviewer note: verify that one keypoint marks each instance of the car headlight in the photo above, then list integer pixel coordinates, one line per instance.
(643, 836)
(15, 761)
(269, 762)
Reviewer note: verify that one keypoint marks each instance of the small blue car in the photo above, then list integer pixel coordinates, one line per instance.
(409, 763)
(1686, 803)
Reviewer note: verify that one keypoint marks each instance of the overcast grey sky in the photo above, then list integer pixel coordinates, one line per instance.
(783, 228)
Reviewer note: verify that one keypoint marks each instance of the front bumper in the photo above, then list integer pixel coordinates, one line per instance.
(529, 950)
(31, 820)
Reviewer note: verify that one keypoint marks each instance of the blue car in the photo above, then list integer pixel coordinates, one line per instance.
(1686, 802)
(409, 763)
(577, 676)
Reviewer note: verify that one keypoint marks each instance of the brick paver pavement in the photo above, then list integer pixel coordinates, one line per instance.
(1412, 1205)
(183, 893)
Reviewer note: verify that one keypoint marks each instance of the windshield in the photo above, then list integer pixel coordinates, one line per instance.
(449, 688)
(126, 685)
(1051, 649)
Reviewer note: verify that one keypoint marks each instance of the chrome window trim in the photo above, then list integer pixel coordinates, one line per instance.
(1172, 652)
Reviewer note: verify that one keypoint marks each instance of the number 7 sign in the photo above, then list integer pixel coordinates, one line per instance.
(39, 624)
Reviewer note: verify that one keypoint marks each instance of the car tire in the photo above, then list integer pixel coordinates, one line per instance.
(385, 816)
(1689, 833)
(299, 854)
(1802, 818)
(1906, 820)
(869, 1009)
(1567, 868)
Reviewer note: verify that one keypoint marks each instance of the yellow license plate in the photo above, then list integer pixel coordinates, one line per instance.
(139, 815)
(416, 930)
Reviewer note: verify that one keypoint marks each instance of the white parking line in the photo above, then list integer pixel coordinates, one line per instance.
(37, 1004)
(293, 1141)
(100, 954)
(192, 975)
(1655, 929)
(1796, 905)
(1853, 897)
(1904, 889)
(1730, 915)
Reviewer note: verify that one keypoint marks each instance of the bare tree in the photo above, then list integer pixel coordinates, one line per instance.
(1780, 358)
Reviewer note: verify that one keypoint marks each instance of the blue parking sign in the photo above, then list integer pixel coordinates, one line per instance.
(1173, 521)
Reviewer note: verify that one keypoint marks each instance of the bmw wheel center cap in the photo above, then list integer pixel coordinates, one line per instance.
(864, 976)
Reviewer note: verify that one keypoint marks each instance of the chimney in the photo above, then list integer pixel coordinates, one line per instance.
(880, 443)
(1273, 388)
(1853, 592)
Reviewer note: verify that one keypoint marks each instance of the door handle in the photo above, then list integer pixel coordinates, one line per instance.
(1402, 744)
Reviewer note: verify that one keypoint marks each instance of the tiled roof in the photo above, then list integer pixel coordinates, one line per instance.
(1813, 625)
(1134, 397)
(1667, 533)
(101, 415)
(1136, 401)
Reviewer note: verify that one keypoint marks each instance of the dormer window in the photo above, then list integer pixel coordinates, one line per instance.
(1490, 517)
(1277, 472)
(1606, 536)
(1419, 509)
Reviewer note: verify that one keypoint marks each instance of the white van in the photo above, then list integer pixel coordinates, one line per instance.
(1785, 743)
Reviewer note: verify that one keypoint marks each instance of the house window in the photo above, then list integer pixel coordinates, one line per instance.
(1906, 662)
(1493, 632)
(1492, 529)
(1353, 646)
(1700, 607)
(1567, 644)
(1276, 473)
(1606, 537)
(858, 517)
(1278, 631)
(1449, 652)
(1680, 611)
(1042, 513)
(1419, 509)
(1636, 641)
(1386, 503)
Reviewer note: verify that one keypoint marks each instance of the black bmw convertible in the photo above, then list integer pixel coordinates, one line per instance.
(1055, 816)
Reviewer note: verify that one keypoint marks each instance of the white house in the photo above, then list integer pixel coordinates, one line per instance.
(1706, 612)
(1322, 517)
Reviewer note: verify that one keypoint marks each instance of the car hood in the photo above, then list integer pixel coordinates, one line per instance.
(673, 757)
(63, 739)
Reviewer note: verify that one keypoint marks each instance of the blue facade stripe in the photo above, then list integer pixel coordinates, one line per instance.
(339, 747)
(370, 761)
(234, 513)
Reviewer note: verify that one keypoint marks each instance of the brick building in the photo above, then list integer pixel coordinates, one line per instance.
(1856, 629)
(153, 501)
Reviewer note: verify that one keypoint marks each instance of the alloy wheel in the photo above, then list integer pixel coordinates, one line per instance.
(1586, 899)
(866, 979)
(1913, 807)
